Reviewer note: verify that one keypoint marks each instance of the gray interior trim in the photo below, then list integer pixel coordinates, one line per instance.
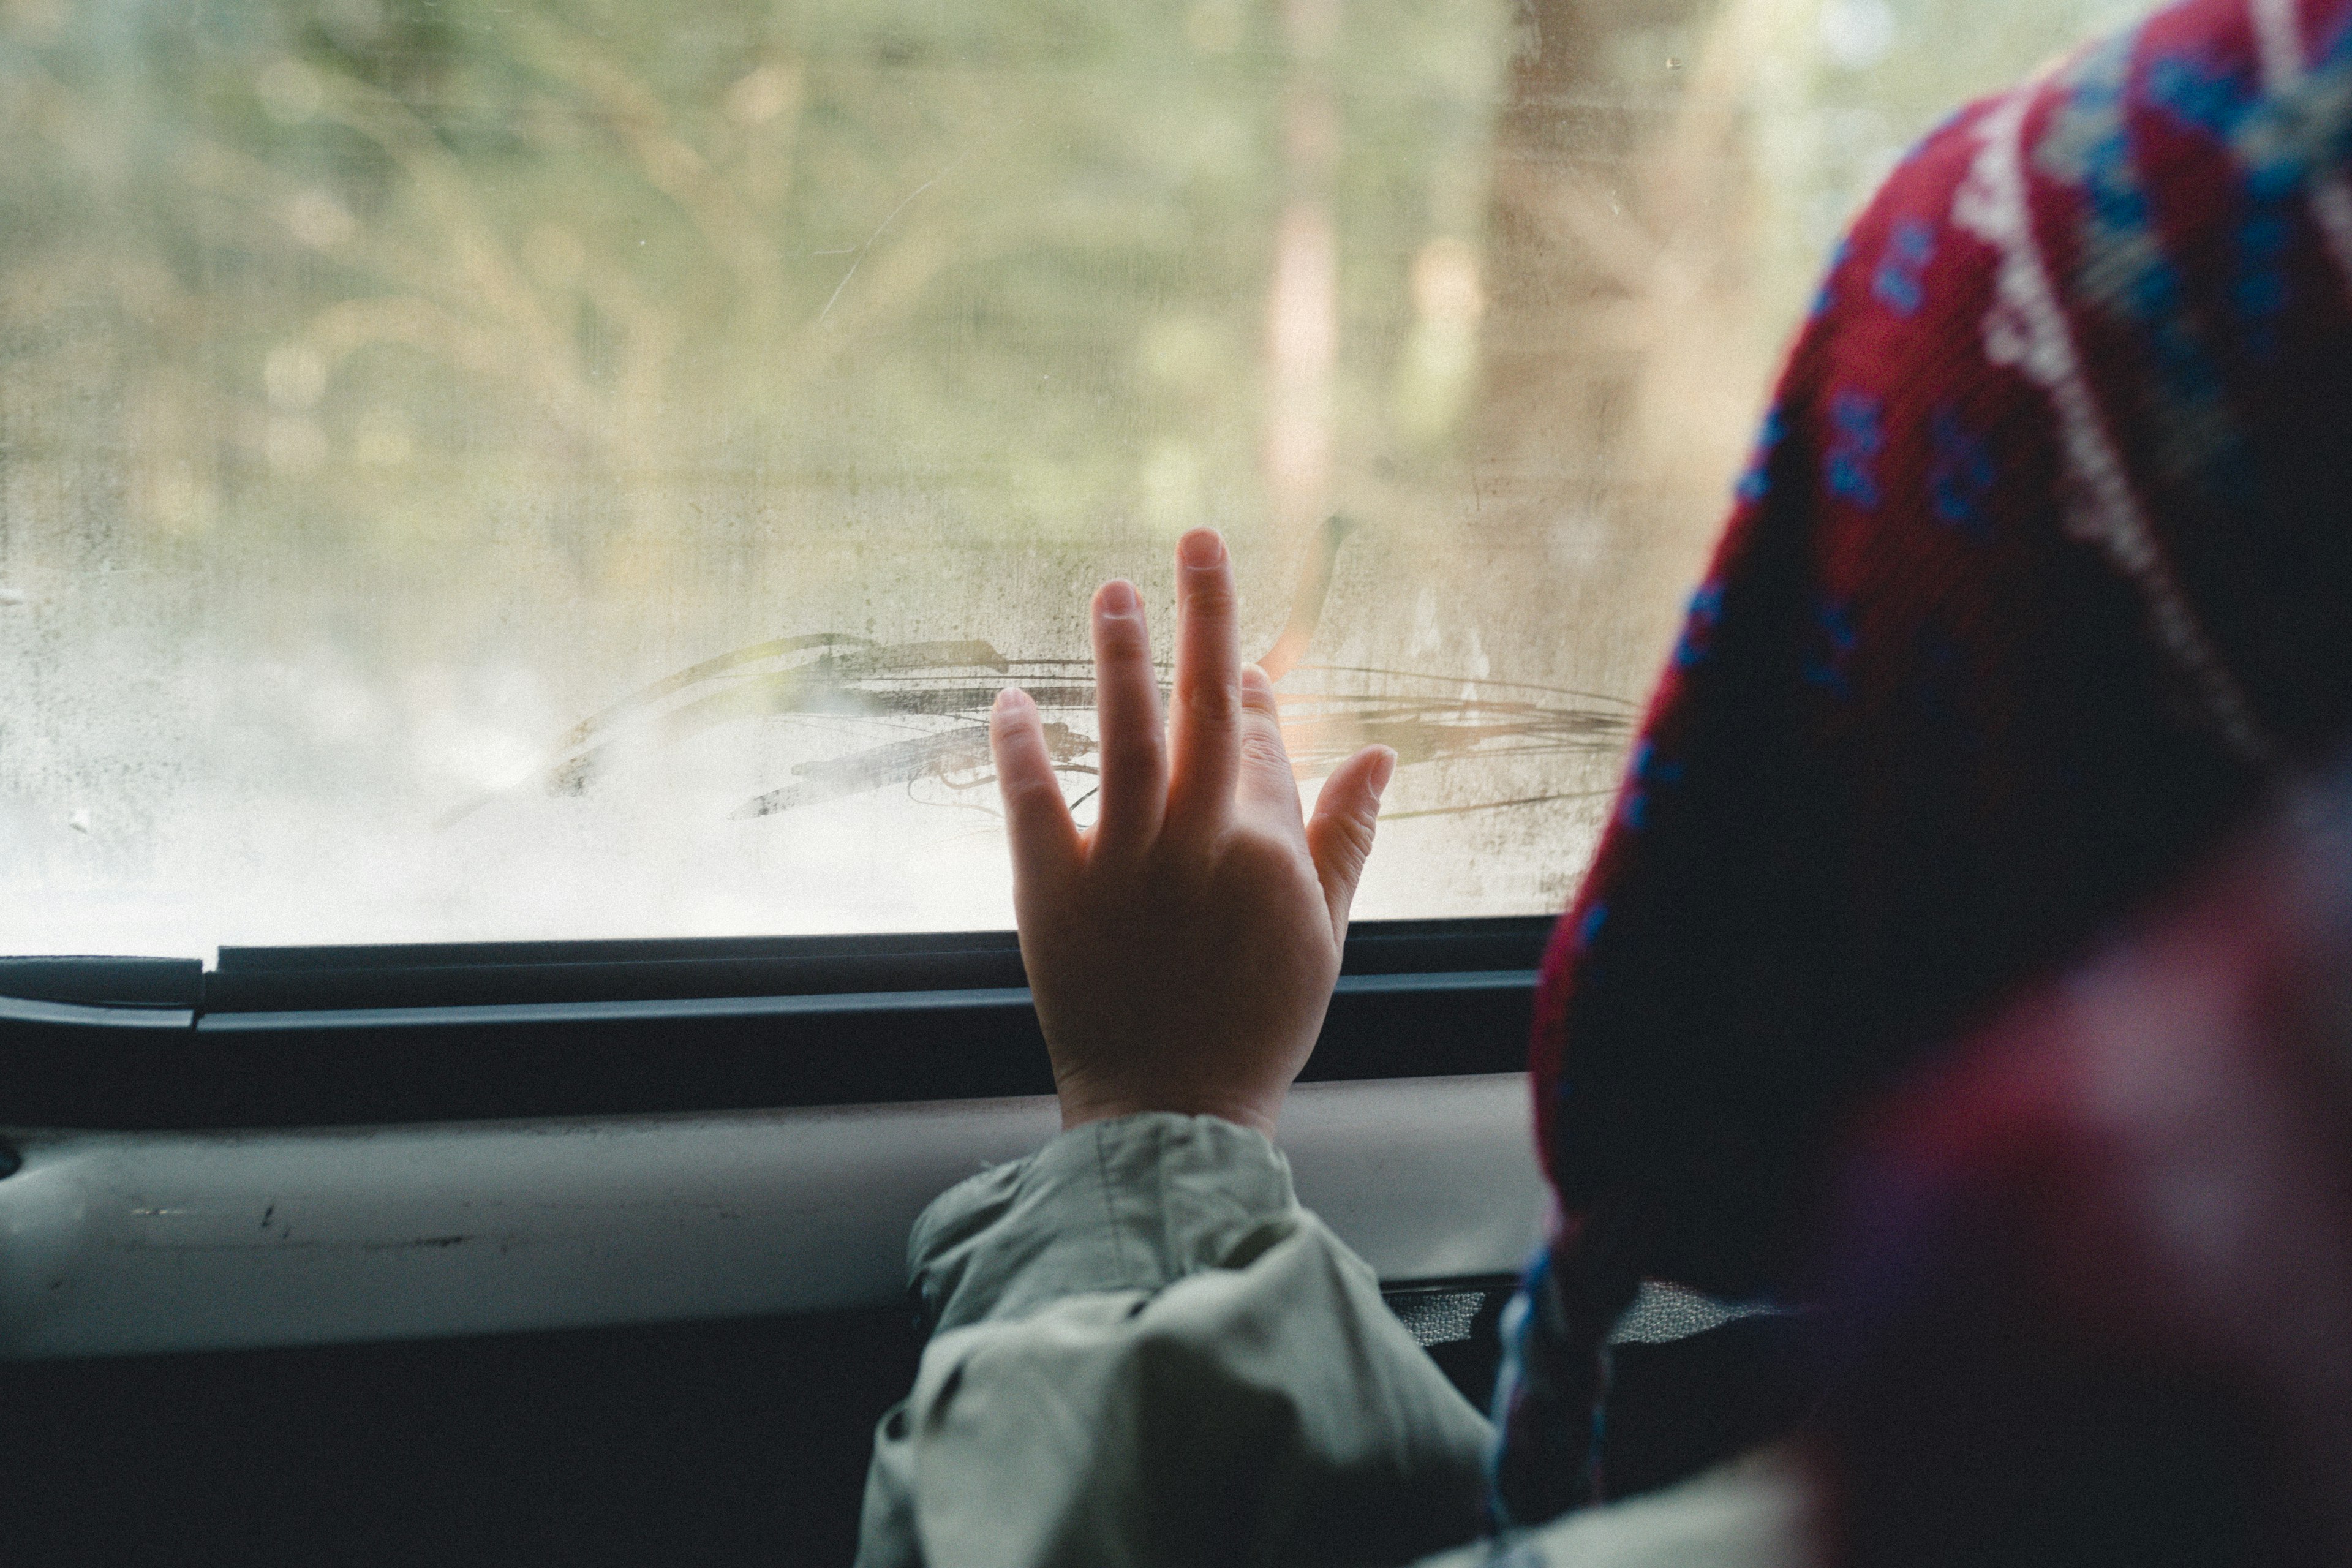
(496, 1012)
(85, 1015)
(124, 1242)
(492, 1013)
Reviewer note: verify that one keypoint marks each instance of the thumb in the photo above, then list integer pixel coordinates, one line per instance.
(1340, 836)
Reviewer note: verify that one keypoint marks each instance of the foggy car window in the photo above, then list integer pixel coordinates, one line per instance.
(475, 469)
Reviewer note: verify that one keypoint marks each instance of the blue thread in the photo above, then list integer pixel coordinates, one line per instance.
(1857, 441)
(2280, 142)
(2214, 101)
(1900, 270)
(1959, 475)
(1699, 626)
(1756, 478)
(1648, 770)
(2260, 290)
(1603, 1375)
(2125, 269)
(1825, 296)
(1833, 640)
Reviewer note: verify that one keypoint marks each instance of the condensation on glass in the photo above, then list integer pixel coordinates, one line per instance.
(505, 468)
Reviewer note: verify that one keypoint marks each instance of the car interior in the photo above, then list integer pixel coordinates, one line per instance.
(512, 516)
(596, 1251)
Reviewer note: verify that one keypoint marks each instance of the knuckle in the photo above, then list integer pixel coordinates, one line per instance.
(1030, 787)
(1351, 836)
(1134, 754)
(1214, 702)
(1261, 856)
(1121, 637)
(1210, 589)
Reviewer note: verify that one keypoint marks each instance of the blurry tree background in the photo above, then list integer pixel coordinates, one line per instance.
(384, 385)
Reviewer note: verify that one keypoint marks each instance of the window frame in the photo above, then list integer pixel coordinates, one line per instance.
(292, 1036)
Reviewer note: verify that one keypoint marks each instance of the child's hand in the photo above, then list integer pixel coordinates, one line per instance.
(1181, 951)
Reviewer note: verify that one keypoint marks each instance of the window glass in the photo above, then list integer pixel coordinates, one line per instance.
(506, 468)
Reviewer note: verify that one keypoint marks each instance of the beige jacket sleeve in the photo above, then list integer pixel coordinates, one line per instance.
(1145, 1354)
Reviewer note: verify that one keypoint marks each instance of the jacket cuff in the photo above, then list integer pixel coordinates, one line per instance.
(1132, 1204)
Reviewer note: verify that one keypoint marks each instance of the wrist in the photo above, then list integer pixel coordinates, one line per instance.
(1126, 1206)
(1258, 1114)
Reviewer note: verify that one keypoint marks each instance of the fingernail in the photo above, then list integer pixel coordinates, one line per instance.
(1253, 678)
(1012, 700)
(1383, 771)
(1118, 597)
(1202, 547)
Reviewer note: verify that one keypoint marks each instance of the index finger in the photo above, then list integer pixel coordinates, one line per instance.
(1127, 702)
(1045, 841)
(1205, 723)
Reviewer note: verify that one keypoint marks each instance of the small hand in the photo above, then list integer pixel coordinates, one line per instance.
(1182, 950)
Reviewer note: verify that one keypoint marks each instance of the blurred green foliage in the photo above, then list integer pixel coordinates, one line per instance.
(403, 277)
(387, 384)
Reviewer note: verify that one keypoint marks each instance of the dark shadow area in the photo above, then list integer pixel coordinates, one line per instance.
(300, 1037)
(737, 1443)
(721, 1443)
(1681, 1407)
(1470, 1362)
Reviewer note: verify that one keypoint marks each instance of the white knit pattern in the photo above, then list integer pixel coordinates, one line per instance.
(2278, 37)
(2026, 328)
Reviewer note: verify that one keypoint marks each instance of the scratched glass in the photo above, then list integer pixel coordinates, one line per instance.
(509, 469)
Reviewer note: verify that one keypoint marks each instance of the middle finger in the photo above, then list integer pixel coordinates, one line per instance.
(1205, 729)
(1126, 706)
